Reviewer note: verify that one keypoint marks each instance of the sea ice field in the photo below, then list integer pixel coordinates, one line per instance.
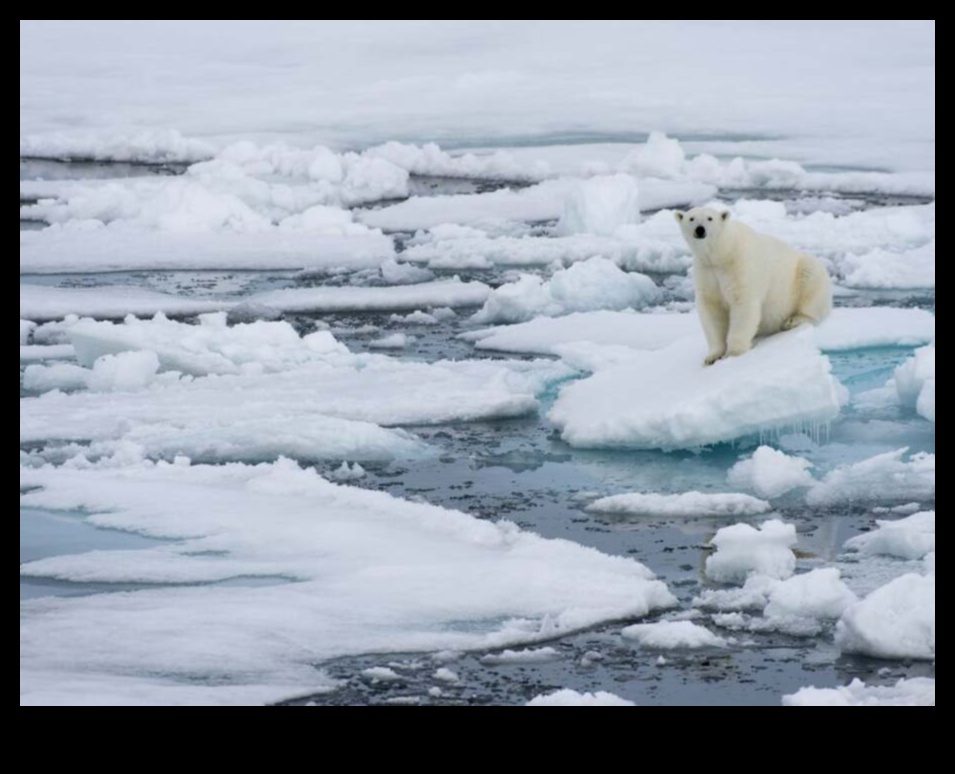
(359, 365)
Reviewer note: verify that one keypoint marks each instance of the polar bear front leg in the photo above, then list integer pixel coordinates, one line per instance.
(716, 322)
(744, 324)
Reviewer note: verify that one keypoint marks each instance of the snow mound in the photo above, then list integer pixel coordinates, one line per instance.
(896, 621)
(686, 504)
(568, 698)
(601, 205)
(26, 329)
(155, 146)
(910, 269)
(742, 550)
(771, 473)
(817, 594)
(885, 477)
(673, 635)
(911, 538)
(669, 400)
(363, 572)
(915, 382)
(917, 692)
(594, 284)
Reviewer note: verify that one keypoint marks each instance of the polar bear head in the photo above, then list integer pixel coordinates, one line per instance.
(702, 226)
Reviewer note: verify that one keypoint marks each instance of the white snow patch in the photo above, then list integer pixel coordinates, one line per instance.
(47, 303)
(445, 675)
(381, 675)
(911, 538)
(891, 270)
(742, 550)
(917, 692)
(685, 504)
(528, 656)
(26, 328)
(880, 478)
(150, 145)
(372, 573)
(601, 206)
(771, 473)
(896, 621)
(915, 382)
(594, 284)
(669, 400)
(568, 698)
(817, 594)
(673, 635)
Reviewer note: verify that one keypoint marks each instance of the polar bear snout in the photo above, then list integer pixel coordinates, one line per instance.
(700, 232)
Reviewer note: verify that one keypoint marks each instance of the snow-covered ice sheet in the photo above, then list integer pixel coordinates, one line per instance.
(568, 698)
(917, 692)
(58, 250)
(668, 400)
(594, 284)
(884, 269)
(686, 504)
(885, 477)
(261, 392)
(364, 572)
(41, 302)
(35, 353)
(478, 81)
(845, 329)
(771, 473)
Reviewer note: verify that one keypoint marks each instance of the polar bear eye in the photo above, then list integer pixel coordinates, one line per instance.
(692, 220)
(710, 220)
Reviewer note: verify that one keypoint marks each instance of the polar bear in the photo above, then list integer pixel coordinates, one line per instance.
(749, 284)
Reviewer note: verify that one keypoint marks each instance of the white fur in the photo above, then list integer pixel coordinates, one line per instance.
(749, 284)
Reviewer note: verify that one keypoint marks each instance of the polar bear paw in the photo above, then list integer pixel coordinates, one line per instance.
(795, 321)
(714, 357)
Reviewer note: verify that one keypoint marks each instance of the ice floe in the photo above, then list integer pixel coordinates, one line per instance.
(885, 477)
(363, 572)
(916, 692)
(668, 400)
(568, 698)
(594, 284)
(742, 550)
(909, 538)
(673, 635)
(915, 382)
(771, 473)
(685, 504)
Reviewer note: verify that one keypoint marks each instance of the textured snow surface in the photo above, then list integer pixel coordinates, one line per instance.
(568, 698)
(771, 473)
(354, 571)
(686, 504)
(675, 635)
(742, 550)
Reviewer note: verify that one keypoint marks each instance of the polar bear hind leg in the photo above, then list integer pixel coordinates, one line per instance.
(815, 294)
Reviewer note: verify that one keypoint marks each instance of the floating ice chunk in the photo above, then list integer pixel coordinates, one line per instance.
(346, 473)
(875, 327)
(896, 621)
(445, 675)
(395, 273)
(26, 328)
(529, 656)
(429, 160)
(668, 400)
(673, 635)
(917, 692)
(884, 269)
(568, 698)
(381, 675)
(686, 504)
(753, 596)
(125, 372)
(73, 248)
(34, 353)
(601, 205)
(394, 341)
(915, 382)
(742, 550)
(373, 573)
(594, 284)
(151, 145)
(325, 221)
(59, 376)
(250, 312)
(911, 538)
(661, 156)
(212, 347)
(450, 293)
(883, 477)
(416, 318)
(46, 303)
(817, 594)
(771, 473)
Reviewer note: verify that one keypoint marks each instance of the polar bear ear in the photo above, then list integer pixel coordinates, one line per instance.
(679, 216)
(726, 216)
